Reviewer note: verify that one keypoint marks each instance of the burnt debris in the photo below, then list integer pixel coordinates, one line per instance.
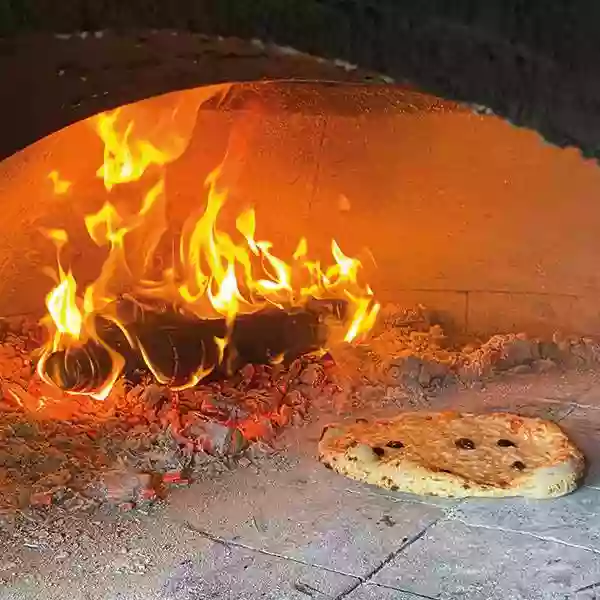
(178, 345)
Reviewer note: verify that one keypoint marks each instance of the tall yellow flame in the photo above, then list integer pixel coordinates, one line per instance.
(61, 301)
(125, 160)
(212, 275)
(62, 306)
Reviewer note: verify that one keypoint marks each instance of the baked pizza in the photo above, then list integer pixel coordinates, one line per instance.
(456, 455)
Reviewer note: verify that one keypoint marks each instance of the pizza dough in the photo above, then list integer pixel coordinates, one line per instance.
(456, 455)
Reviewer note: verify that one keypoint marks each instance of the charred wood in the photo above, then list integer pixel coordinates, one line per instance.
(178, 345)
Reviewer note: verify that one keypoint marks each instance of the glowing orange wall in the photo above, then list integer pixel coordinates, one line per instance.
(462, 212)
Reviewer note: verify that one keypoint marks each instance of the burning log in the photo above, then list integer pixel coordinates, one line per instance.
(176, 346)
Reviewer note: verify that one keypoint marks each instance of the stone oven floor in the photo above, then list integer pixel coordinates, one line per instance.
(288, 529)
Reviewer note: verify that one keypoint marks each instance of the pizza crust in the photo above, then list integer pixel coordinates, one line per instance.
(456, 455)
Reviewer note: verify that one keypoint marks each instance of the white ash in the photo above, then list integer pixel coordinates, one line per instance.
(409, 359)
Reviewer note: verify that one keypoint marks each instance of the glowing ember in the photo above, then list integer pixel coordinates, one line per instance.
(213, 275)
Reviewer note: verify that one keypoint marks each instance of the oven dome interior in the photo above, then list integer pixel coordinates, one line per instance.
(485, 223)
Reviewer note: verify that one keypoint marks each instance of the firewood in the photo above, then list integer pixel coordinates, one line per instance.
(177, 345)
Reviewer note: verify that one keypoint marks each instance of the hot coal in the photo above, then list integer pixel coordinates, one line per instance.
(74, 452)
(177, 345)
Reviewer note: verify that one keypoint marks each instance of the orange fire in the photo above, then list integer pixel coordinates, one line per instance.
(63, 309)
(60, 186)
(124, 161)
(214, 273)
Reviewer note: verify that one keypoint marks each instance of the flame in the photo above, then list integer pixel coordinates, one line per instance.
(213, 273)
(365, 314)
(301, 249)
(60, 186)
(124, 161)
(61, 301)
(62, 306)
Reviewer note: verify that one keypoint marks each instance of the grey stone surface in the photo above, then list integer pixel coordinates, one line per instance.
(376, 592)
(574, 519)
(590, 398)
(227, 573)
(583, 426)
(372, 490)
(453, 560)
(564, 387)
(303, 511)
(307, 517)
(504, 399)
(153, 558)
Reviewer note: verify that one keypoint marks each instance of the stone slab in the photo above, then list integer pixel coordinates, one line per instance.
(591, 397)
(574, 519)
(376, 592)
(453, 560)
(366, 490)
(504, 399)
(150, 557)
(303, 511)
(555, 386)
(234, 573)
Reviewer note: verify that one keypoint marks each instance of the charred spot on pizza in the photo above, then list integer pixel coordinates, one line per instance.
(445, 471)
(518, 465)
(464, 444)
(324, 432)
(327, 465)
(437, 470)
(506, 444)
(395, 444)
(352, 458)
(379, 451)
(394, 488)
(361, 420)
